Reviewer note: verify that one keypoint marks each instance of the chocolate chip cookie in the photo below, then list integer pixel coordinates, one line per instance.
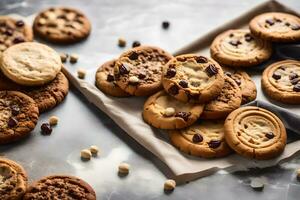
(192, 78)
(62, 25)
(138, 70)
(18, 116)
(13, 31)
(229, 99)
(280, 81)
(204, 139)
(276, 27)
(13, 180)
(239, 48)
(60, 187)
(255, 133)
(105, 80)
(164, 112)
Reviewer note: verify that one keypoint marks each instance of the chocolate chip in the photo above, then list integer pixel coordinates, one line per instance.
(165, 24)
(231, 35)
(282, 68)
(123, 69)
(12, 122)
(142, 75)
(237, 81)
(192, 96)
(270, 135)
(295, 27)
(293, 75)
(136, 44)
(183, 83)
(248, 37)
(133, 56)
(270, 22)
(287, 24)
(19, 23)
(110, 78)
(46, 129)
(8, 32)
(295, 81)
(15, 110)
(214, 144)
(201, 59)
(18, 40)
(228, 74)
(276, 76)
(211, 70)
(173, 90)
(235, 42)
(197, 138)
(183, 115)
(171, 72)
(278, 20)
(296, 88)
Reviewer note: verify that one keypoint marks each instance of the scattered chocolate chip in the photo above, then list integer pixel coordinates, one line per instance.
(165, 24)
(8, 32)
(197, 138)
(248, 37)
(110, 78)
(46, 129)
(276, 76)
(183, 115)
(19, 23)
(173, 90)
(18, 40)
(211, 70)
(133, 56)
(136, 44)
(235, 43)
(12, 122)
(15, 110)
(123, 69)
(270, 135)
(296, 88)
(171, 72)
(293, 75)
(295, 81)
(270, 22)
(295, 27)
(142, 75)
(183, 83)
(201, 59)
(121, 42)
(214, 144)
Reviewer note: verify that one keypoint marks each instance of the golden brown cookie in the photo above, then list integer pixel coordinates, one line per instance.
(254, 132)
(204, 139)
(62, 25)
(60, 187)
(280, 81)
(18, 116)
(276, 27)
(138, 70)
(164, 112)
(13, 180)
(105, 80)
(238, 47)
(229, 99)
(193, 78)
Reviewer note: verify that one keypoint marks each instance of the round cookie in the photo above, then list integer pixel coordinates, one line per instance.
(13, 31)
(164, 112)
(13, 180)
(280, 81)
(193, 78)
(18, 116)
(7, 84)
(105, 80)
(62, 25)
(254, 132)
(276, 27)
(60, 187)
(238, 48)
(229, 99)
(138, 70)
(204, 139)
(30, 63)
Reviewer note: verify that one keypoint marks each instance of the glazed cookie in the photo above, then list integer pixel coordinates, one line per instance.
(193, 78)
(205, 139)
(62, 25)
(280, 81)
(164, 112)
(276, 27)
(30, 63)
(138, 70)
(254, 132)
(229, 99)
(238, 48)
(13, 31)
(18, 116)
(105, 80)
(13, 180)
(60, 187)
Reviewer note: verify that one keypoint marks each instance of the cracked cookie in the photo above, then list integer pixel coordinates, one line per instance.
(18, 116)
(280, 81)
(229, 99)
(192, 78)
(13, 31)
(254, 132)
(276, 27)
(30, 63)
(239, 48)
(60, 187)
(138, 70)
(13, 180)
(62, 25)
(164, 112)
(105, 80)
(204, 139)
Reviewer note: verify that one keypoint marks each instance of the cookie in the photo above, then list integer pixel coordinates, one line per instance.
(164, 112)
(13, 31)
(105, 80)
(13, 180)
(204, 139)
(7, 84)
(244, 81)
(280, 81)
(138, 70)
(62, 25)
(60, 187)
(18, 116)
(193, 78)
(254, 132)
(276, 27)
(30, 63)
(229, 99)
(238, 47)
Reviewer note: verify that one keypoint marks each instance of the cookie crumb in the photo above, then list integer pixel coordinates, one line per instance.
(136, 44)
(53, 120)
(46, 129)
(74, 58)
(63, 57)
(81, 73)
(169, 185)
(94, 149)
(86, 154)
(257, 184)
(134, 79)
(165, 24)
(124, 168)
(121, 42)
(169, 112)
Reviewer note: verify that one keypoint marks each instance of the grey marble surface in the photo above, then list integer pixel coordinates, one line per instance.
(82, 125)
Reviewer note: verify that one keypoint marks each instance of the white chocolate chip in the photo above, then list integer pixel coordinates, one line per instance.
(257, 184)
(81, 73)
(94, 149)
(134, 79)
(169, 184)
(53, 120)
(86, 154)
(74, 58)
(124, 168)
(63, 57)
(42, 21)
(122, 42)
(169, 112)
